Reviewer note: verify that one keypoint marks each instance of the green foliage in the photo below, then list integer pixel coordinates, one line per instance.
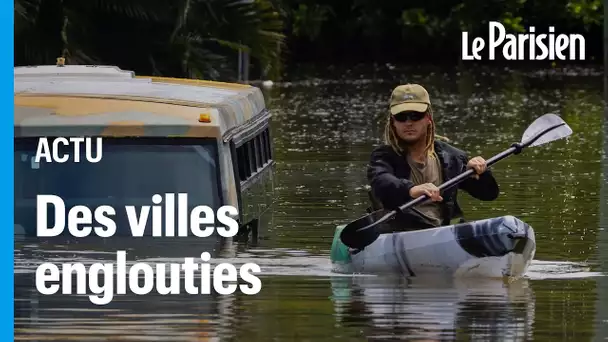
(376, 30)
(185, 38)
(587, 11)
(308, 21)
(200, 38)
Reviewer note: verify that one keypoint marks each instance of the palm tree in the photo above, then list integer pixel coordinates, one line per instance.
(179, 38)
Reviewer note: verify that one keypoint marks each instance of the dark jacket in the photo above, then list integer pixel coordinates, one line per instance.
(388, 175)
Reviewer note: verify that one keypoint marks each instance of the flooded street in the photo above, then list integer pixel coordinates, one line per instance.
(323, 130)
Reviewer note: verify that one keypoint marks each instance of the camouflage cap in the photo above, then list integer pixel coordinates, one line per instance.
(409, 97)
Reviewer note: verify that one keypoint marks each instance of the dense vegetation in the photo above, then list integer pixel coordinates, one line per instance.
(199, 38)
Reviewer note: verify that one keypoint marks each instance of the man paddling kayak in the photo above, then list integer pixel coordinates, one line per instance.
(413, 163)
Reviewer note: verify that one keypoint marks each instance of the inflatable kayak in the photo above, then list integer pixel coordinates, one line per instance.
(494, 247)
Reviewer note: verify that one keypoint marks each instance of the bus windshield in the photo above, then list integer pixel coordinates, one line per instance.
(131, 171)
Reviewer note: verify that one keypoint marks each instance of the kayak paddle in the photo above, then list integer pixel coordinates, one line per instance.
(547, 128)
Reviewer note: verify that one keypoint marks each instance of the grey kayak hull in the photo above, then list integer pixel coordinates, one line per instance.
(494, 247)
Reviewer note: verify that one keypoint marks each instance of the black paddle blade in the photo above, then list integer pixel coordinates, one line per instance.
(354, 236)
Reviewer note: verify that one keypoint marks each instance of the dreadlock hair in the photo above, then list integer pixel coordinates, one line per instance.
(391, 138)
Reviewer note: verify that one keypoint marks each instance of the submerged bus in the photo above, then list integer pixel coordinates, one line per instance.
(208, 139)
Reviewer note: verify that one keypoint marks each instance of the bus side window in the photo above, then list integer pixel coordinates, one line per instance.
(259, 158)
(253, 154)
(240, 154)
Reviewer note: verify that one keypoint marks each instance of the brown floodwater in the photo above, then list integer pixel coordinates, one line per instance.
(323, 129)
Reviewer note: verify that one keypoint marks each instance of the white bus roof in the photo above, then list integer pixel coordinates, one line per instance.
(93, 100)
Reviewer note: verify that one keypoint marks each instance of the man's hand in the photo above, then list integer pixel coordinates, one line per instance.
(478, 164)
(428, 189)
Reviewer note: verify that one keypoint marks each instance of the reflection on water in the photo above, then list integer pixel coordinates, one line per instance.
(152, 318)
(323, 132)
(301, 293)
(435, 309)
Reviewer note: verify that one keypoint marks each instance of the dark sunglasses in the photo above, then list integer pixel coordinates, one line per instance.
(414, 116)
